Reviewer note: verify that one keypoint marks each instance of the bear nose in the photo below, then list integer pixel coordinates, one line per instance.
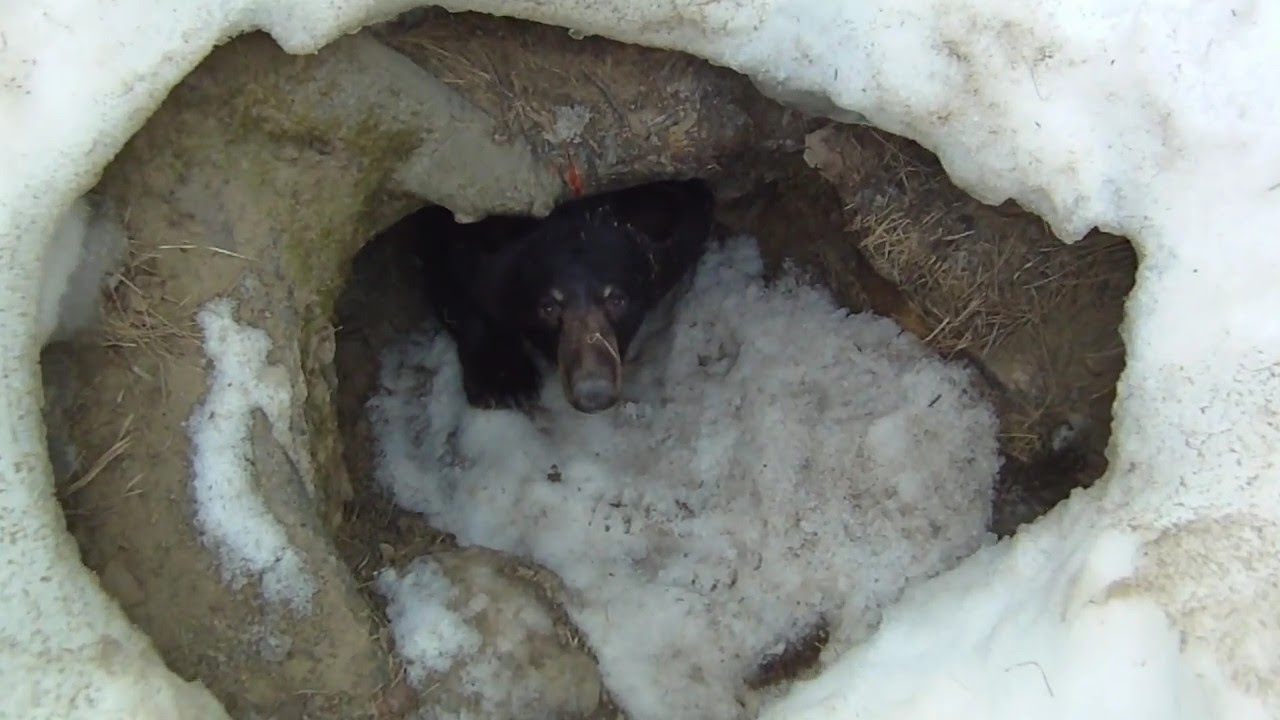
(593, 394)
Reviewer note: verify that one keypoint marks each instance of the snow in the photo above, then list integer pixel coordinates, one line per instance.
(779, 461)
(1101, 634)
(86, 247)
(1150, 119)
(428, 634)
(60, 261)
(475, 639)
(231, 513)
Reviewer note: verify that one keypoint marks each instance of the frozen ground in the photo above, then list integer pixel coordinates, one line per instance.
(781, 461)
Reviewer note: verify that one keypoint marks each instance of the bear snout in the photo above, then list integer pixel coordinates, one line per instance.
(593, 394)
(590, 364)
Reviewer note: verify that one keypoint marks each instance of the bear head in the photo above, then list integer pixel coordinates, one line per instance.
(584, 278)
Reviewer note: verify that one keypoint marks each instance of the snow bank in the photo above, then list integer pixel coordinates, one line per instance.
(1056, 641)
(783, 462)
(1151, 119)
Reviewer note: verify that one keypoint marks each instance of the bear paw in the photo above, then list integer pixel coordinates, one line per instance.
(495, 384)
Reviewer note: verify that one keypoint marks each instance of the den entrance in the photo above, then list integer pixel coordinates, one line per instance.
(867, 372)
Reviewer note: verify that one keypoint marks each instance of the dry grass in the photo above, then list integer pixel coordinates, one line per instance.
(117, 449)
(632, 112)
(124, 440)
(477, 77)
(976, 299)
(139, 316)
(975, 294)
(1022, 438)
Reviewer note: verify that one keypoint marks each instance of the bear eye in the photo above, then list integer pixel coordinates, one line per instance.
(615, 298)
(549, 310)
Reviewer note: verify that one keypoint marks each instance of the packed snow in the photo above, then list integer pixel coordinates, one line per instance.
(232, 516)
(1150, 119)
(779, 462)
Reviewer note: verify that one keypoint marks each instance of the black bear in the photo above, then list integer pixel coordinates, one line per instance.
(568, 291)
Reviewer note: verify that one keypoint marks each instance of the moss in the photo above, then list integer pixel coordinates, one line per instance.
(318, 245)
(315, 251)
(320, 414)
(314, 170)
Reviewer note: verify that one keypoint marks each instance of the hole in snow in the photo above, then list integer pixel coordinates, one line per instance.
(820, 423)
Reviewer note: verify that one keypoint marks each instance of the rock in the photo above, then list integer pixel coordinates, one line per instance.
(527, 659)
(609, 113)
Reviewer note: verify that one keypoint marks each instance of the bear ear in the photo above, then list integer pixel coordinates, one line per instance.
(665, 211)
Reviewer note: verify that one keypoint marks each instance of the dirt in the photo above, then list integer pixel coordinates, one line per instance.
(251, 174)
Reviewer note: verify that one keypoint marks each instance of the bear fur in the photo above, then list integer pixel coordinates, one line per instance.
(523, 295)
